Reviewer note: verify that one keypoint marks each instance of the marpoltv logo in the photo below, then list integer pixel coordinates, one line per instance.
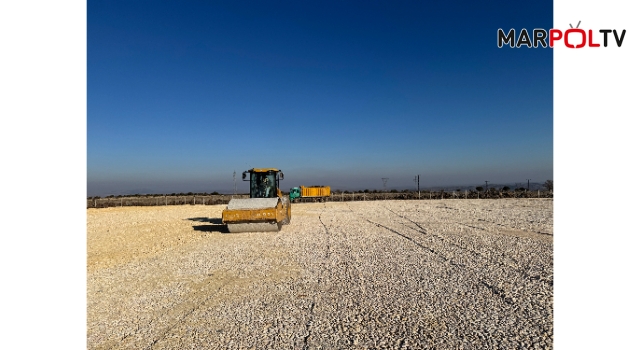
(580, 37)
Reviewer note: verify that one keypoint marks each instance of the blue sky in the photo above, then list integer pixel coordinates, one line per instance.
(181, 94)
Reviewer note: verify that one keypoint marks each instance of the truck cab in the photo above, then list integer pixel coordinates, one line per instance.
(294, 193)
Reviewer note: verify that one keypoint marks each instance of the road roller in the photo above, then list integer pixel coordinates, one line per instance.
(266, 209)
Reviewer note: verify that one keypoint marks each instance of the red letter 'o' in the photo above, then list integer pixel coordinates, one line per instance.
(575, 30)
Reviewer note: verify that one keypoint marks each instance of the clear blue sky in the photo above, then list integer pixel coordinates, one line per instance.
(181, 94)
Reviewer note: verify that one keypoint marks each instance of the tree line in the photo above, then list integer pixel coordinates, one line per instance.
(490, 192)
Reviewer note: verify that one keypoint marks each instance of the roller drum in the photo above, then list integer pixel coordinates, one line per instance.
(254, 227)
(257, 214)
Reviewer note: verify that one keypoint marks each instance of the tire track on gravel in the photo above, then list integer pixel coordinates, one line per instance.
(491, 222)
(498, 292)
(485, 282)
(493, 259)
(309, 323)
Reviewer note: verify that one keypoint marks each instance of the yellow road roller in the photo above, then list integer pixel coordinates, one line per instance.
(266, 209)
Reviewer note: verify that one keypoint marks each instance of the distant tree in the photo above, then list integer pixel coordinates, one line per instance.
(548, 185)
(506, 188)
(366, 191)
(215, 193)
(394, 191)
(479, 188)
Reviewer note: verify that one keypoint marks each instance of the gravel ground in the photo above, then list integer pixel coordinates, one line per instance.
(441, 274)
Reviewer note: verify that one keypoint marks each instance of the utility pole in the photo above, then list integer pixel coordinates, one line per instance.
(235, 189)
(384, 183)
(417, 179)
(528, 185)
(486, 186)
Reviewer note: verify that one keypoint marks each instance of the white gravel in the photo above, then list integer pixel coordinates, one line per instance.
(441, 274)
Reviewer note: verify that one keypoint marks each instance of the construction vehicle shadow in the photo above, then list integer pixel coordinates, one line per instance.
(216, 225)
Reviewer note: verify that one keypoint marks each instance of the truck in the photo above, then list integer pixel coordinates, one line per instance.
(317, 193)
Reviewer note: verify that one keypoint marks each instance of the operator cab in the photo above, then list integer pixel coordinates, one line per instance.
(264, 183)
